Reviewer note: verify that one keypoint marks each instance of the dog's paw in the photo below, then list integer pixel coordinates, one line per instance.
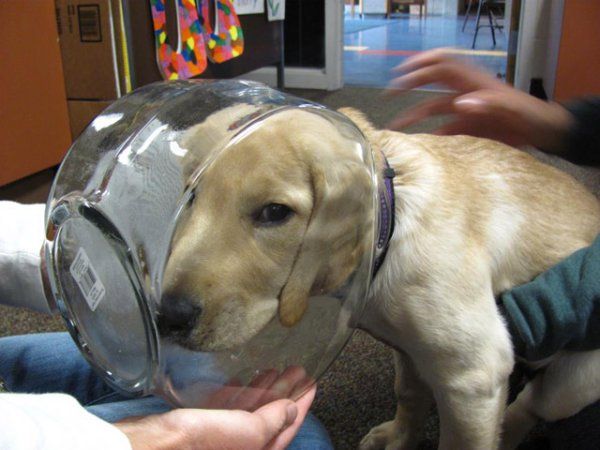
(384, 436)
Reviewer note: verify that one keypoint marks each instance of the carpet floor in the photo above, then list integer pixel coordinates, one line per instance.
(357, 391)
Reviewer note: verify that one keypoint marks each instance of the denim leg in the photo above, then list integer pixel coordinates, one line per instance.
(50, 362)
(311, 436)
(118, 410)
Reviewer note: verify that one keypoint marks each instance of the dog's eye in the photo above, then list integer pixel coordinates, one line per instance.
(273, 214)
(192, 198)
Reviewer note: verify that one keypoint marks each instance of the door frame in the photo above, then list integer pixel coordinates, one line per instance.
(328, 78)
(538, 43)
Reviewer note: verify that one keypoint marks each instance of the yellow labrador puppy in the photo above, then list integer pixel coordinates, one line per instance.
(473, 218)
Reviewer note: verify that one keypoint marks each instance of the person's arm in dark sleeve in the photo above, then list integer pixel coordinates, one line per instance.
(582, 141)
(560, 309)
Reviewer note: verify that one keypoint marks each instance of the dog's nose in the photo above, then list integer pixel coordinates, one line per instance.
(177, 315)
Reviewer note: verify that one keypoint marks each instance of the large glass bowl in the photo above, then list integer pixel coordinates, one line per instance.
(212, 242)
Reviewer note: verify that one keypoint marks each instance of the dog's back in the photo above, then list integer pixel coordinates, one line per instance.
(527, 214)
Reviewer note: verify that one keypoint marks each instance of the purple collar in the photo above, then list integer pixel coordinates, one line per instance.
(386, 216)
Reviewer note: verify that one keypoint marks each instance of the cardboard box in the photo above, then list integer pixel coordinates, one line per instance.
(94, 56)
(93, 49)
(34, 130)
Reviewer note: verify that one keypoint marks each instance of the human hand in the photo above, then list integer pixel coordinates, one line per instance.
(266, 387)
(480, 105)
(272, 426)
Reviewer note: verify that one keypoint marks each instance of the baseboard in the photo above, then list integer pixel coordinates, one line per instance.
(295, 77)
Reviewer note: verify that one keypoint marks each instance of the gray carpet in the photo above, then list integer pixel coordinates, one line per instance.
(357, 392)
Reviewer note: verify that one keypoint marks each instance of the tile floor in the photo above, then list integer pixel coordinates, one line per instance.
(374, 45)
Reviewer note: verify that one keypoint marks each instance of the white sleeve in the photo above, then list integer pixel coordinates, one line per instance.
(54, 422)
(21, 239)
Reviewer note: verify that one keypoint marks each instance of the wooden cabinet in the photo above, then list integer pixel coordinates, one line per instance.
(579, 55)
(34, 122)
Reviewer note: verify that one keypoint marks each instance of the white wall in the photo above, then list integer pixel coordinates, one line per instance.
(539, 41)
(374, 6)
(507, 8)
(443, 7)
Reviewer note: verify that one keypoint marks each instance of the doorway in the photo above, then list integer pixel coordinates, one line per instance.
(380, 34)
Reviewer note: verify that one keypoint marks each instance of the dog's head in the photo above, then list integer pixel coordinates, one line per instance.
(282, 214)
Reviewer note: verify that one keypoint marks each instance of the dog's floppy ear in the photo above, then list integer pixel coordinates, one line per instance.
(336, 235)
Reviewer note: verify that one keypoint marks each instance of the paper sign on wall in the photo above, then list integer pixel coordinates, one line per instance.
(249, 6)
(276, 9)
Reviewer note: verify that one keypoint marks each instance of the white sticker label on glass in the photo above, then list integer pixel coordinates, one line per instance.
(87, 279)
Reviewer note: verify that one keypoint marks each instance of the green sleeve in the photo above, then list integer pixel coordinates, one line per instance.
(560, 309)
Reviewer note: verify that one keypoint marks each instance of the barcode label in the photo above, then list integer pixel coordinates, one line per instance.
(87, 279)
(89, 23)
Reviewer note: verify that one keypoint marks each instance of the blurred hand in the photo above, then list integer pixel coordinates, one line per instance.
(267, 386)
(480, 105)
(272, 426)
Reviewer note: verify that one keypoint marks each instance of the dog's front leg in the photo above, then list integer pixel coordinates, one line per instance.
(470, 418)
(469, 379)
(414, 400)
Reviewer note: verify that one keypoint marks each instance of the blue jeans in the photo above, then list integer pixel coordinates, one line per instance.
(50, 362)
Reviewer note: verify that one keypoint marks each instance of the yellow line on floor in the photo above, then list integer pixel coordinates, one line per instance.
(354, 48)
(462, 51)
(456, 51)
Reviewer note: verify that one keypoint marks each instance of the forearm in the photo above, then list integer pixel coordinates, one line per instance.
(54, 421)
(582, 141)
(571, 131)
(21, 237)
(560, 309)
(548, 126)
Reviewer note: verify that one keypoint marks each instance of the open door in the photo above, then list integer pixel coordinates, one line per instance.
(313, 46)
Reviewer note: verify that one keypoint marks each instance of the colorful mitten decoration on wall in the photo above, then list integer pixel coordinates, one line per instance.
(190, 58)
(226, 41)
